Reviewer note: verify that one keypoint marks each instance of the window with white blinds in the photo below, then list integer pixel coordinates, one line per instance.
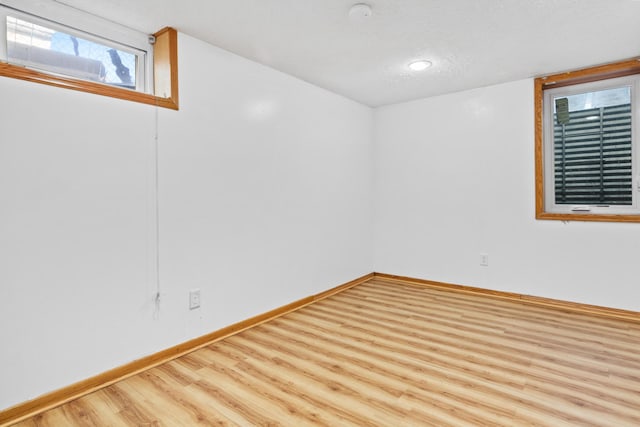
(591, 147)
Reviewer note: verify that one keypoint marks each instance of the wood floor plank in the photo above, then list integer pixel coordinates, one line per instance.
(388, 375)
(390, 353)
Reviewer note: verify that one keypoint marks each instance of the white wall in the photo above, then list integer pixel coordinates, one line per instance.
(265, 189)
(454, 177)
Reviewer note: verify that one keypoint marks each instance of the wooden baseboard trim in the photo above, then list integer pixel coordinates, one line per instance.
(55, 398)
(629, 315)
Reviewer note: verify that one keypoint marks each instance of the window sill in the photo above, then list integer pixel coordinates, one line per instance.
(587, 217)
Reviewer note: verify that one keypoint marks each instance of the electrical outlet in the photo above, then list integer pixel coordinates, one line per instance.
(484, 260)
(194, 299)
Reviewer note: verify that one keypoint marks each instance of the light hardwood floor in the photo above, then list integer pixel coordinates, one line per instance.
(390, 354)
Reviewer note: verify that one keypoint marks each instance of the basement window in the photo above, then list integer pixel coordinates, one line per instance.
(587, 144)
(123, 63)
(60, 50)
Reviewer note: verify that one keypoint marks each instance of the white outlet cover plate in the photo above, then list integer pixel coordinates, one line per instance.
(194, 299)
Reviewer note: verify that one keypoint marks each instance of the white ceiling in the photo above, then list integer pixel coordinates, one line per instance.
(472, 43)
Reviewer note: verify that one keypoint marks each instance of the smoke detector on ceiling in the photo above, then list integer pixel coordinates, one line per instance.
(360, 12)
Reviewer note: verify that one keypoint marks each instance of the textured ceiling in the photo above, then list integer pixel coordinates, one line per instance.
(472, 43)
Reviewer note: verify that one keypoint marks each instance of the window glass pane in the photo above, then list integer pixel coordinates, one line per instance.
(593, 148)
(66, 54)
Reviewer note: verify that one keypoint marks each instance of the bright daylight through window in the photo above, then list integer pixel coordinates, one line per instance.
(54, 44)
(61, 52)
(587, 150)
(51, 47)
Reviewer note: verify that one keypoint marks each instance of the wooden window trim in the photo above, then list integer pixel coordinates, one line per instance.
(587, 75)
(165, 70)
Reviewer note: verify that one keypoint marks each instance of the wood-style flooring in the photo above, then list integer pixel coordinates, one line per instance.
(390, 354)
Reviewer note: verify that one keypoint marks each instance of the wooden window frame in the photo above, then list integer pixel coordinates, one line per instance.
(165, 76)
(587, 75)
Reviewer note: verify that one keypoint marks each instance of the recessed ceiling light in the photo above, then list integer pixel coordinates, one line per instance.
(420, 65)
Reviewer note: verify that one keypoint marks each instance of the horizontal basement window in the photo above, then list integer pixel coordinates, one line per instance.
(70, 53)
(136, 67)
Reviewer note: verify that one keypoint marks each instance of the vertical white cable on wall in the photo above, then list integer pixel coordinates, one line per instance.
(156, 216)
